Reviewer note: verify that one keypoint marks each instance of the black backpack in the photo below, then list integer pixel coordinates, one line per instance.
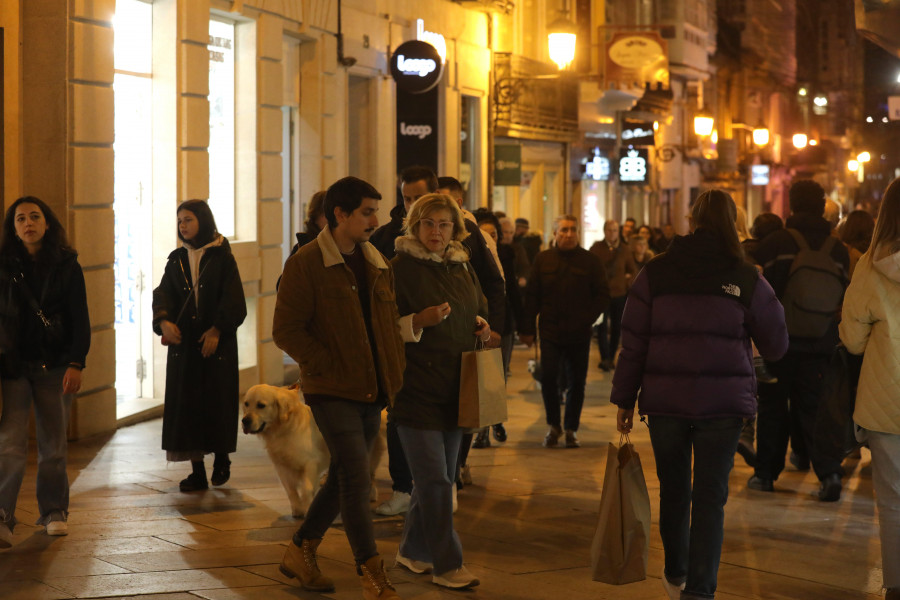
(814, 290)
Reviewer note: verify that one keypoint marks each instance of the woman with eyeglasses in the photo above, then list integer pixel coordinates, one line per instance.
(444, 308)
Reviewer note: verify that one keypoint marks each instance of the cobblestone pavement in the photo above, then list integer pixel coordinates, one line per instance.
(526, 524)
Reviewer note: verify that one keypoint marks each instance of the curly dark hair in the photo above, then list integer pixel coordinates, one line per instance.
(53, 244)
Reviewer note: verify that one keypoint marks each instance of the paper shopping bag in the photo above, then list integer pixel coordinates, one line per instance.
(482, 389)
(620, 547)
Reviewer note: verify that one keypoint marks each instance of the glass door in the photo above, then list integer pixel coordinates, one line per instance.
(132, 86)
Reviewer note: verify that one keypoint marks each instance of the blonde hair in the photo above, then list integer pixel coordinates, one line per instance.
(431, 203)
(740, 223)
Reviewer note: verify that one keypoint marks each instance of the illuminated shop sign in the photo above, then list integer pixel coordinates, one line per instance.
(637, 133)
(435, 39)
(759, 175)
(597, 168)
(416, 66)
(634, 165)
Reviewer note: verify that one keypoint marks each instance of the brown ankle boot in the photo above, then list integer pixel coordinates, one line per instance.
(300, 562)
(375, 582)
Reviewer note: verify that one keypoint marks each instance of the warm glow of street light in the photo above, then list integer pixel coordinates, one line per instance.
(802, 91)
(703, 123)
(863, 157)
(714, 138)
(820, 101)
(800, 140)
(853, 165)
(561, 42)
(813, 142)
(761, 135)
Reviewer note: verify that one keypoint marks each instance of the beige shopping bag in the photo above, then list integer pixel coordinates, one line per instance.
(620, 547)
(482, 389)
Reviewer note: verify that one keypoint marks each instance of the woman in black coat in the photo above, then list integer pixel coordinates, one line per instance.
(197, 309)
(45, 334)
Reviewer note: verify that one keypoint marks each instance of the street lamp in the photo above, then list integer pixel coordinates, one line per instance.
(800, 140)
(761, 135)
(853, 165)
(863, 157)
(703, 123)
(561, 41)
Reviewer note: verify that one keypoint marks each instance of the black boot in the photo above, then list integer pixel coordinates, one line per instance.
(221, 469)
(196, 481)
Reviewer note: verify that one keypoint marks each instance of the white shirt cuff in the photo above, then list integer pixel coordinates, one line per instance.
(406, 329)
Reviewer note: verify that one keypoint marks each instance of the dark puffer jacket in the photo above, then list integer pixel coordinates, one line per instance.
(429, 398)
(686, 333)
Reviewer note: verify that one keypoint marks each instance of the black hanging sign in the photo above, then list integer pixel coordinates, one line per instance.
(637, 133)
(417, 129)
(416, 66)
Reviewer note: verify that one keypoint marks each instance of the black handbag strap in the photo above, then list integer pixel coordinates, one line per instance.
(32, 301)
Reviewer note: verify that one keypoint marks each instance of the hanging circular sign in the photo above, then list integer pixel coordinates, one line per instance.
(636, 51)
(416, 66)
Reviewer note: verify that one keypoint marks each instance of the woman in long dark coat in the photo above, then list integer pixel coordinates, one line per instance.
(197, 308)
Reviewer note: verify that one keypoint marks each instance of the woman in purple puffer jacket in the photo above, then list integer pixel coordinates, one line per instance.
(686, 359)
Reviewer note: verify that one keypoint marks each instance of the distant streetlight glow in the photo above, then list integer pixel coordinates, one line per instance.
(800, 140)
(898, 77)
(761, 135)
(853, 165)
(870, 120)
(813, 143)
(820, 101)
(884, 119)
(714, 138)
(802, 91)
(561, 42)
(863, 157)
(703, 123)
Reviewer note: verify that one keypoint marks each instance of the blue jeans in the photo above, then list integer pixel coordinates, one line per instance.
(428, 533)
(575, 356)
(349, 429)
(43, 389)
(692, 517)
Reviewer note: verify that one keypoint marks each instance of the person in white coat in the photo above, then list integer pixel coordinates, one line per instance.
(871, 324)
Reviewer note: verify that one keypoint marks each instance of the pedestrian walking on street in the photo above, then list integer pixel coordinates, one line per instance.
(197, 309)
(686, 361)
(45, 334)
(335, 315)
(869, 325)
(568, 290)
(443, 312)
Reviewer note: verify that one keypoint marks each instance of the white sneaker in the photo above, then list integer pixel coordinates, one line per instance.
(416, 566)
(57, 528)
(455, 503)
(673, 591)
(457, 578)
(396, 504)
(5, 536)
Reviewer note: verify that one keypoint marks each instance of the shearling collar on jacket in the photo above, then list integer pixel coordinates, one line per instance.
(331, 254)
(411, 245)
(889, 266)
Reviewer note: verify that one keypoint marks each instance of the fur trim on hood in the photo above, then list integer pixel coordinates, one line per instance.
(408, 244)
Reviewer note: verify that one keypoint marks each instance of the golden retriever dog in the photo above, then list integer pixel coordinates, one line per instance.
(280, 417)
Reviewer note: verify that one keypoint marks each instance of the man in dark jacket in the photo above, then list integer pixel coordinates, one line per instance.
(568, 289)
(415, 182)
(800, 372)
(620, 270)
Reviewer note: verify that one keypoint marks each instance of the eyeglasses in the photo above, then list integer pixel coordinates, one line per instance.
(443, 226)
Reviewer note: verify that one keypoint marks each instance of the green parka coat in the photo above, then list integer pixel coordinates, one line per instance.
(429, 398)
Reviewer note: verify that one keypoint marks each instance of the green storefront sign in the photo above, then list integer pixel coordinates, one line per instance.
(507, 164)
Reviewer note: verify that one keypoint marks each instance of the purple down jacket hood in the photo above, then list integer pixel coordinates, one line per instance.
(686, 332)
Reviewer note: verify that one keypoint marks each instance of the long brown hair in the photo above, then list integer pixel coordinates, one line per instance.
(887, 226)
(715, 211)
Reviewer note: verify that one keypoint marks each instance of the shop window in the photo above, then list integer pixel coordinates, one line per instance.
(222, 185)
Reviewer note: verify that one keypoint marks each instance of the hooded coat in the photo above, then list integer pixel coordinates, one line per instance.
(429, 398)
(686, 332)
(201, 403)
(871, 325)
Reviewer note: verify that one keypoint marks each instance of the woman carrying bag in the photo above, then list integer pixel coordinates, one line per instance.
(197, 309)
(870, 323)
(45, 334)
(444, 308)
(686, 360)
